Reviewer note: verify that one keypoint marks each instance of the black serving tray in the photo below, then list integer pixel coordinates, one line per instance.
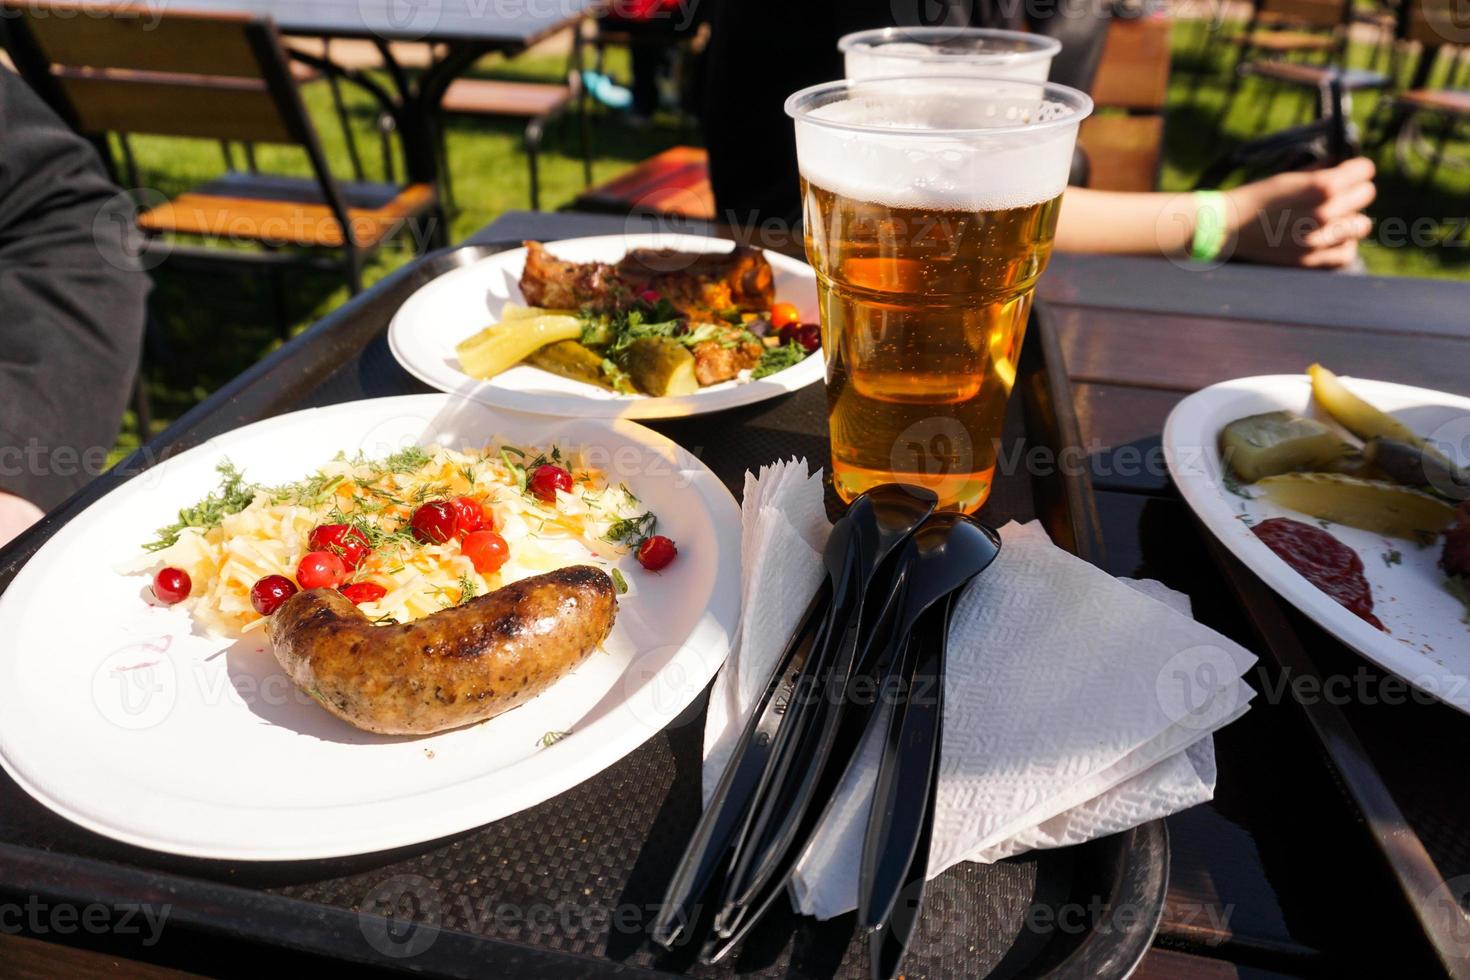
(568, 887)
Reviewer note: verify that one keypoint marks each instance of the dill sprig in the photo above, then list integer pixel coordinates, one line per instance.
(631, 530)
(232, 496)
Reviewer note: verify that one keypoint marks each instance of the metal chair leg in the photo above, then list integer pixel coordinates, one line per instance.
(533, 147)
(334, 84)
(585, 124)
(1446, 131)
(446, 179)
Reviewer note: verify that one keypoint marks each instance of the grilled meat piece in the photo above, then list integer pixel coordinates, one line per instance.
(714, 362)
(456, 667)
(696, 281)
(697, 284)
(1455, 559)
(554, 284)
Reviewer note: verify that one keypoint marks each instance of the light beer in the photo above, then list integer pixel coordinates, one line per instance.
(930, 206)
(923, 313)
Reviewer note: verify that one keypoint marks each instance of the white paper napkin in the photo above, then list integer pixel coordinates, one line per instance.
(784, 527)
(1076, 705)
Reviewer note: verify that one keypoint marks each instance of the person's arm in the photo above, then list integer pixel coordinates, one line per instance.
(71, 307)
(16, 514)
(1311, 219)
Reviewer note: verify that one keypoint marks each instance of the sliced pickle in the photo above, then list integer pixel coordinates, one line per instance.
(1383, 508)
(509, 342)
(571, 360)
(660, 367)
(1414, 467)
(515, 311)
(1258, 446)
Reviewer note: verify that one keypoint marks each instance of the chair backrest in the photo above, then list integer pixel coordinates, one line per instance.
(1434, 23)
(125, 69)
(1319, 14)
(1133, 72)
(138, 70)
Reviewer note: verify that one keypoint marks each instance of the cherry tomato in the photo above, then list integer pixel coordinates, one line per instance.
(547, 480)
(172, 585)
(650, 296)
(783, 314)
(469, 515)
(360, 592)
(321, 570)
(486, 549)
(656, 552)
(268, 594)
(808, 335)
(341, 539)
(433, 523)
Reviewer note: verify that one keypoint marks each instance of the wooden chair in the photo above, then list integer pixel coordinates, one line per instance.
(1123, 139)
(535, 103)
(1431, 26)
(675, 182)
(1282, 29)
(218, 77)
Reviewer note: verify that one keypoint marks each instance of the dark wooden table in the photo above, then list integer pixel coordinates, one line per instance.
(1333, 828)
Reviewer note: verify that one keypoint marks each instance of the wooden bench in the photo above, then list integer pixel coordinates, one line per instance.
(675, 182)
(1124, 137)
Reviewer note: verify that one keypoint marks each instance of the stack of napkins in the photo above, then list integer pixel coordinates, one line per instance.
(783, 530)
(1076, 705)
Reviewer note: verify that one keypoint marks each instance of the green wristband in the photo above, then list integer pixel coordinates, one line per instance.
(1209, 226)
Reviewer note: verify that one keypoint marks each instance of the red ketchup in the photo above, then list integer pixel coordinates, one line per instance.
(1322, 560)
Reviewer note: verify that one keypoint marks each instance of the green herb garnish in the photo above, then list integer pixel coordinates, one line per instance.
(620, 584)
(232, 496)
(631, 530)
(1393, 557)
(551, 738)
(779, 359)
(516, 469)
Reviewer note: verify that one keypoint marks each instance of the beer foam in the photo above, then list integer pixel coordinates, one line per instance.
(898, 161)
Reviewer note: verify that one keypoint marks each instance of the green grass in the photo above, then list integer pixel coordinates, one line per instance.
(1419, 225)
(217, 324)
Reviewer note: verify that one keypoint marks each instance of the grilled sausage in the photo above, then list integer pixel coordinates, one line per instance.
(456, 667)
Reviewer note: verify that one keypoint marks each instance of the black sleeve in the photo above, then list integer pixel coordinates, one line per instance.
(71, 302)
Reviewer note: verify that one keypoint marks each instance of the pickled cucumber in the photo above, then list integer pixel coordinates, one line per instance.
(571, 360)
(1383, 508)
(509, 342)
(1264, 445)
(660, 366)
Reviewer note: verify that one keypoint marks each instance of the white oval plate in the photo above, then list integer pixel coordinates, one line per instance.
(1428, 643)
(454, 306)
(117, 714)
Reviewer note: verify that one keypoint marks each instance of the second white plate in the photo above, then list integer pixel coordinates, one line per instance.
(454, 306)
(1428, 640)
